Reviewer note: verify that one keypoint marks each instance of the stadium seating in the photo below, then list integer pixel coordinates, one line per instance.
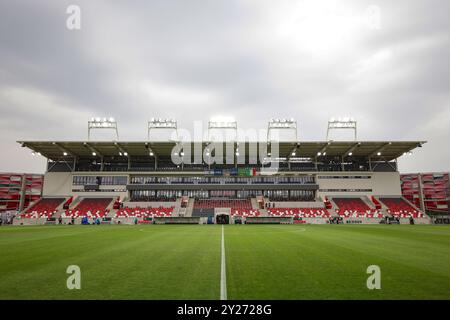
(90, 207)
(144, 212)
(245, 213)
(400, 208)
(222, 203)
(355, 208)
(44, 208)
(299, 212)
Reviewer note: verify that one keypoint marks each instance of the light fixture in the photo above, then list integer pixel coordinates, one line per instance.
(125, 154)
(350, 153)
(64, 153)
(120, 153)
(151, 154)
(378, 153)
(324, 153)
(319, 153)
(94, 154)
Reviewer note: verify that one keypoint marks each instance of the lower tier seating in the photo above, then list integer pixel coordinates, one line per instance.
(144, 212)
(44, 208)
(90, 207)
(222, 203)
(245, 213)
(355, 208)
(398, 207)
(299, 212)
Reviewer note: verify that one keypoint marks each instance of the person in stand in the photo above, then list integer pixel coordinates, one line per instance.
(73, 220)
(60, 220)
(1, 220)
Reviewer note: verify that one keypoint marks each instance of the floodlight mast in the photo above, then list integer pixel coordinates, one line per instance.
(102, 123)
(158, 123)
(226, 125)
(342, 123)
(282, 124)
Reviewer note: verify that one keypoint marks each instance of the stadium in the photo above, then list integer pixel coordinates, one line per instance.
(210, 159)
(275, 220)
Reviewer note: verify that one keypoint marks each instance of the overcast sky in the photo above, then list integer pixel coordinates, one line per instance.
(253, 60)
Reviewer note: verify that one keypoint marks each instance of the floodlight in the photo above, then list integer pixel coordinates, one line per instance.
(342, 123)
(102, 123)
(64, 153)
(378, 153)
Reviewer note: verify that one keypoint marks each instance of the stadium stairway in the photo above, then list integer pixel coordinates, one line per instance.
(189, 208)
(334, 207)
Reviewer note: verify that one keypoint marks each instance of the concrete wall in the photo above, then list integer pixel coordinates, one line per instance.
(60, 184)
(381, 183)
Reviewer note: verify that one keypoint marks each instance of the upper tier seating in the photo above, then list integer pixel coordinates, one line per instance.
(90, 207)
(299, 212)
(223, 203)
(355, 208)
(44, 208)
(400, 208)
(144, 212)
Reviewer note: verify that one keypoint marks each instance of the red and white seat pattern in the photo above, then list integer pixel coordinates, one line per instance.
(299, 212)
(144, 212)
(44, 208)
(400, 208)
(355, 208)
(223, 203)
(245, 212)
(90, 207)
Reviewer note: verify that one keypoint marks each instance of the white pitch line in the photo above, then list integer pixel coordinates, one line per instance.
(223, 272)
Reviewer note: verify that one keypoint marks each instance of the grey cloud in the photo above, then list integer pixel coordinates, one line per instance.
(194, 59)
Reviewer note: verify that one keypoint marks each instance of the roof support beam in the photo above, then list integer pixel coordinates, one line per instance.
(378, 151)
(63, 150)
(92, 149)
(323, 151)
(351, 149)
(122, 151)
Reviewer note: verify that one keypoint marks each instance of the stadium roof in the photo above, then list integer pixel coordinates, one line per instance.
(383, 150)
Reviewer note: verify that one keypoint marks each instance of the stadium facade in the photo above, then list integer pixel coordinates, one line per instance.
(230, 182)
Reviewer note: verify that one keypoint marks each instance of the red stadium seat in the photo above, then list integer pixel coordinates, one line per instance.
(355, 208)
(44, 208)
(148, 212)
(299, 212)
(90, 207)
(400, 208)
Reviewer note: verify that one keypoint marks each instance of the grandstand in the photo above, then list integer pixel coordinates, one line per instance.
(139, 181)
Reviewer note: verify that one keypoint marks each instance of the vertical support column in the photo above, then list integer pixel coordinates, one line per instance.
(421, 200)
(23, 192)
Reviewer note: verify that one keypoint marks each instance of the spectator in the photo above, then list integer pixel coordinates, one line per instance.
(60, 219)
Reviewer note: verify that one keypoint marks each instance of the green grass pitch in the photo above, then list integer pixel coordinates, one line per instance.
(262, 261)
